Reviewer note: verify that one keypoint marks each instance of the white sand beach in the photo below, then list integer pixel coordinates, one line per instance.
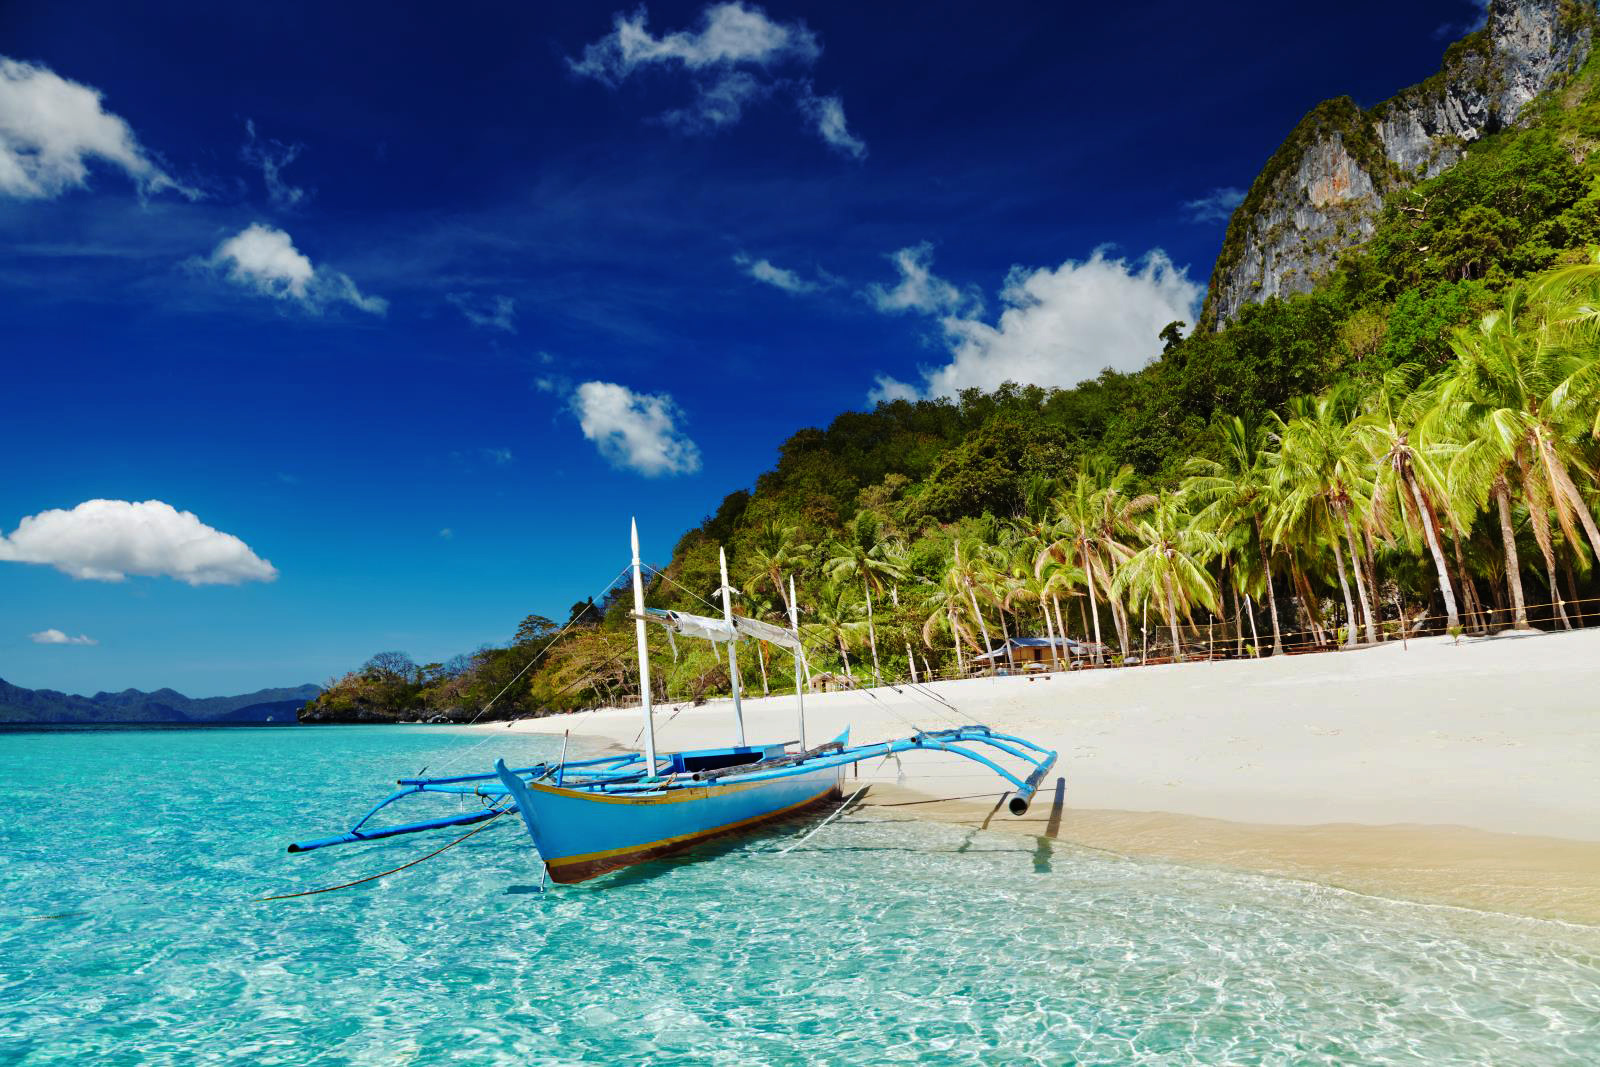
(1464, 773)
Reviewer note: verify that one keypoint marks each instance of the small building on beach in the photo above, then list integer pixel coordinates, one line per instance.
(1022, 651)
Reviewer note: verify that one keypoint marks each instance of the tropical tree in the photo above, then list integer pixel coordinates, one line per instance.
(866, 555)
(838, 618)
(775, 552)
(1236, 493)
(1322, 476)
(1511, 395)
(1407, 478)
(1169, 567)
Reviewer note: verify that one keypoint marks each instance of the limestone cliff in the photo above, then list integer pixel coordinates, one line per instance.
(1322, 191)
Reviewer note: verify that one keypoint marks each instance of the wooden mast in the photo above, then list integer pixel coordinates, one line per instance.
(799, 662)
(733, 644)
(644, 658)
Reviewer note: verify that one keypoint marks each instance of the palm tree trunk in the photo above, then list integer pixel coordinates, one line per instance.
(845, 652)
(1425, 513)
(1238, 623)
(1272, 598)
(955, 632)
(988, 646)
(1055, 602)
(1172, 621)
(872, 637)
(761, 657)
(1555, 590)
(1088, 571)
(1050, 632)
(1361, 585)
(1572, 587)
(1344, 587)
(1475, 609)
(1502, 499)
(1255, 638)
(1313, 608)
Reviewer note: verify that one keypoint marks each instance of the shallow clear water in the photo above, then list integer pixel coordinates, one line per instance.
(128, 861)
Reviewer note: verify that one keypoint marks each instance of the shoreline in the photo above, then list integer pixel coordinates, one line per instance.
(1457, 774)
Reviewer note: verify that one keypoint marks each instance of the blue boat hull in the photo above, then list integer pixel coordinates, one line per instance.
(582, 834)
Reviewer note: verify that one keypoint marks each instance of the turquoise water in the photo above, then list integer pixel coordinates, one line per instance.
(879, 941)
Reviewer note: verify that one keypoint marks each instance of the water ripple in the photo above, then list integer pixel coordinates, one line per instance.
(880, 941)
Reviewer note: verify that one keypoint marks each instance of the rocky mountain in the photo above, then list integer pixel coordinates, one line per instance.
(47, 706)
(1322, 192)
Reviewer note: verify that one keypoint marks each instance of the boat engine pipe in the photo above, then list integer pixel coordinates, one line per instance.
(1024, 796)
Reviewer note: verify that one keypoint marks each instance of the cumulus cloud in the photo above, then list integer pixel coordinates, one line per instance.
(51, 127)
(264, 259)
(763, 270)
(490, 312)
(737, 55)
(271, 157)
(107, 540)
(919, 289)
(57, 637)
(1060, 326)
(1216, 206)
(635, 431)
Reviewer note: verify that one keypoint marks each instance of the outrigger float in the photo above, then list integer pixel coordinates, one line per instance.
(590, 816)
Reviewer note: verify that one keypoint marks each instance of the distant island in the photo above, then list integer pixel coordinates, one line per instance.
(31, 707)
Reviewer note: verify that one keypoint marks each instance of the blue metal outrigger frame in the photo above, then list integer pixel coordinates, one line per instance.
(629, 774)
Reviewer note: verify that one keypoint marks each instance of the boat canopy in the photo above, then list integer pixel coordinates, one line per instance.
(721, 630)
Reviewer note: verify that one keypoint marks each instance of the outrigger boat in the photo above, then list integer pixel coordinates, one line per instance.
(590, 816)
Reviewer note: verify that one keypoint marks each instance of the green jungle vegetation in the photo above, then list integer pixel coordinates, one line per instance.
(1409, 448)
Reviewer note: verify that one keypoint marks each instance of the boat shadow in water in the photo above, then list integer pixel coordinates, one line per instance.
(1045, 843)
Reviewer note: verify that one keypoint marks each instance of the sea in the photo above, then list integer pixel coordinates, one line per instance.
(132, 931)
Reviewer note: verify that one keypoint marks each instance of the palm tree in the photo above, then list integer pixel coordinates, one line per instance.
(1237, 493)
(1321, 475)
(1512, 393)
(863, 553)
(775, 551)
(838, 618)
(1407, 474)
(963, 579)
(1090, 518)
(1170, 567)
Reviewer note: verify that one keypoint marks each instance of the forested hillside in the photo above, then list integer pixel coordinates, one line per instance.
(1409, 446)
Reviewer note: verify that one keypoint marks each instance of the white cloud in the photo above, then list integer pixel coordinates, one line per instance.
(919, 289)
(56, 637)
(737, 56)
(107, 540)
(1061, 326)
(272, 157)
(827, 113)
(763, 270)
(886, 389)
(635, 431)
(51, 127)
(1216, 206)
(490, 312)
(730, 34)
(264, 258)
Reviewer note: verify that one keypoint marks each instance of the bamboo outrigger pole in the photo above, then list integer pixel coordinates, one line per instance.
(733, 644)
(644, 659)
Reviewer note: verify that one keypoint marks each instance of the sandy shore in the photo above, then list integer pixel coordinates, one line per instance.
(1465, 773)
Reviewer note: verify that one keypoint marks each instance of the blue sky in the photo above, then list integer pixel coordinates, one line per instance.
(382, 320)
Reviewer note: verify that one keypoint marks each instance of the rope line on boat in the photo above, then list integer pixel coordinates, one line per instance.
(825, 822)
(374, 877)
(459, 756)
(813, 646)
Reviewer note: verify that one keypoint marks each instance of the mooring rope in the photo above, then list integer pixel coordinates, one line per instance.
(385, 874)
(825, 822)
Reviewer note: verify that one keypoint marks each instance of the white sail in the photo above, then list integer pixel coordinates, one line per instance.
(720, 631)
